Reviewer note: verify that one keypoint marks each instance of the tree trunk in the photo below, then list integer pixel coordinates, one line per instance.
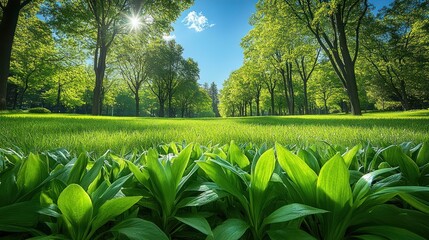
(250, 107)
(58, 97)
(137, 99)
(170, 100)
(285, 85)
(272, 102)
(161, 108)
(258, 112)
(348, 69)
(99, 68)
(291, 105)
(7, 32)
(305, 98)
(404, 97)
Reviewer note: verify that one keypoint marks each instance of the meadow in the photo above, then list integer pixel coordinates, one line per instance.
(316, 177)
(41, 132)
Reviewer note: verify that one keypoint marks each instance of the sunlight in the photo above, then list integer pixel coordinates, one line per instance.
(135, 22)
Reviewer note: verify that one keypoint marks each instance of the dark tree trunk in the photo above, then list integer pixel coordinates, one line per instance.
(7, 32)
(250, 107)
(349, 68)
(291, 105)
(58, 104)
(285, 85)
(306, 111)
(161, 108)
(404, 97)
(170, 100)
(137, 99)
(15, 97)
(100, 68)
(272, 102)
(258, 111)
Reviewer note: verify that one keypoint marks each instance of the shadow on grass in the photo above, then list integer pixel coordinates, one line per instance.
(399, 123)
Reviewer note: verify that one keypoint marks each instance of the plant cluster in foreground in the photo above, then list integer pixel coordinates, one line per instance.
(227, 192)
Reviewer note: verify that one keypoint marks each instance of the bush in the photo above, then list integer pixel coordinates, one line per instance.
(39, 110)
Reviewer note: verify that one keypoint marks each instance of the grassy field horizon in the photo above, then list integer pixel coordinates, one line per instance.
(41, 132)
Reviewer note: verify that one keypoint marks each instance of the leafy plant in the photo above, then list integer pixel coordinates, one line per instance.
(253, 194)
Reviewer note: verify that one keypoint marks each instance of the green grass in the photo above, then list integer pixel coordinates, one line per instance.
(39, 132)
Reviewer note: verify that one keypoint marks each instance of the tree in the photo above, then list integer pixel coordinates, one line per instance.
(33, 57)
(336, 26)
(101, 21)
(168, 70)
(325, 90)
(133, 64)
(10, 10)
(213, 93)
(68, 88)
(305, 66)
(395, 48)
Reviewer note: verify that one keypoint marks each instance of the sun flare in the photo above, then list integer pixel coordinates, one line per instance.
(135, 22)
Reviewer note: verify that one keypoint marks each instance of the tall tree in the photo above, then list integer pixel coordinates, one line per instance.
(102, 21)
(336, 26)
(133, 64)
(213, 92)
(306, 66)
(395, 46)
(10, 10)
(33, 57)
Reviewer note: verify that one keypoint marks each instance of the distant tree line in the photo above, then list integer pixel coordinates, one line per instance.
(85, 56)
(312, 57)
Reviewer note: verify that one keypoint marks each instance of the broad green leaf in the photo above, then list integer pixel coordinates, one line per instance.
(92, 174)
(291, 212)
(310, 159)
(180, 163)
(235, 155)
(112, 208)
(389, 232)
(390, 215)
(289, 234)
(417, 203)
(173, 148)
(333, 187)
(363, 185)
(237, 171)
(197, 222)
(348, 156)
(298, 171)
(22, 214)
(231, 229)
(201, 199)
(163, 183)
(78, 169)
(395, 157)
(139, 229)
(263, 170)
(141, 176)
(224, 181)
(423, 155)
(101, 197)
(76, 207)
(193, 168)
(31, 173)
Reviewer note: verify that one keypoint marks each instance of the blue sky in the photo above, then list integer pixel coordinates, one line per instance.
(215, 44)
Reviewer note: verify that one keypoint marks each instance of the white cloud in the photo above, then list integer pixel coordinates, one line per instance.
(197, 21)
(168, 38)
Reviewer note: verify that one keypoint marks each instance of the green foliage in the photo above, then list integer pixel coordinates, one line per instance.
(214, 192)
(39, 110)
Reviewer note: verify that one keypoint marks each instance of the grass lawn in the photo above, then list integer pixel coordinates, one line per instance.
(38, 132)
